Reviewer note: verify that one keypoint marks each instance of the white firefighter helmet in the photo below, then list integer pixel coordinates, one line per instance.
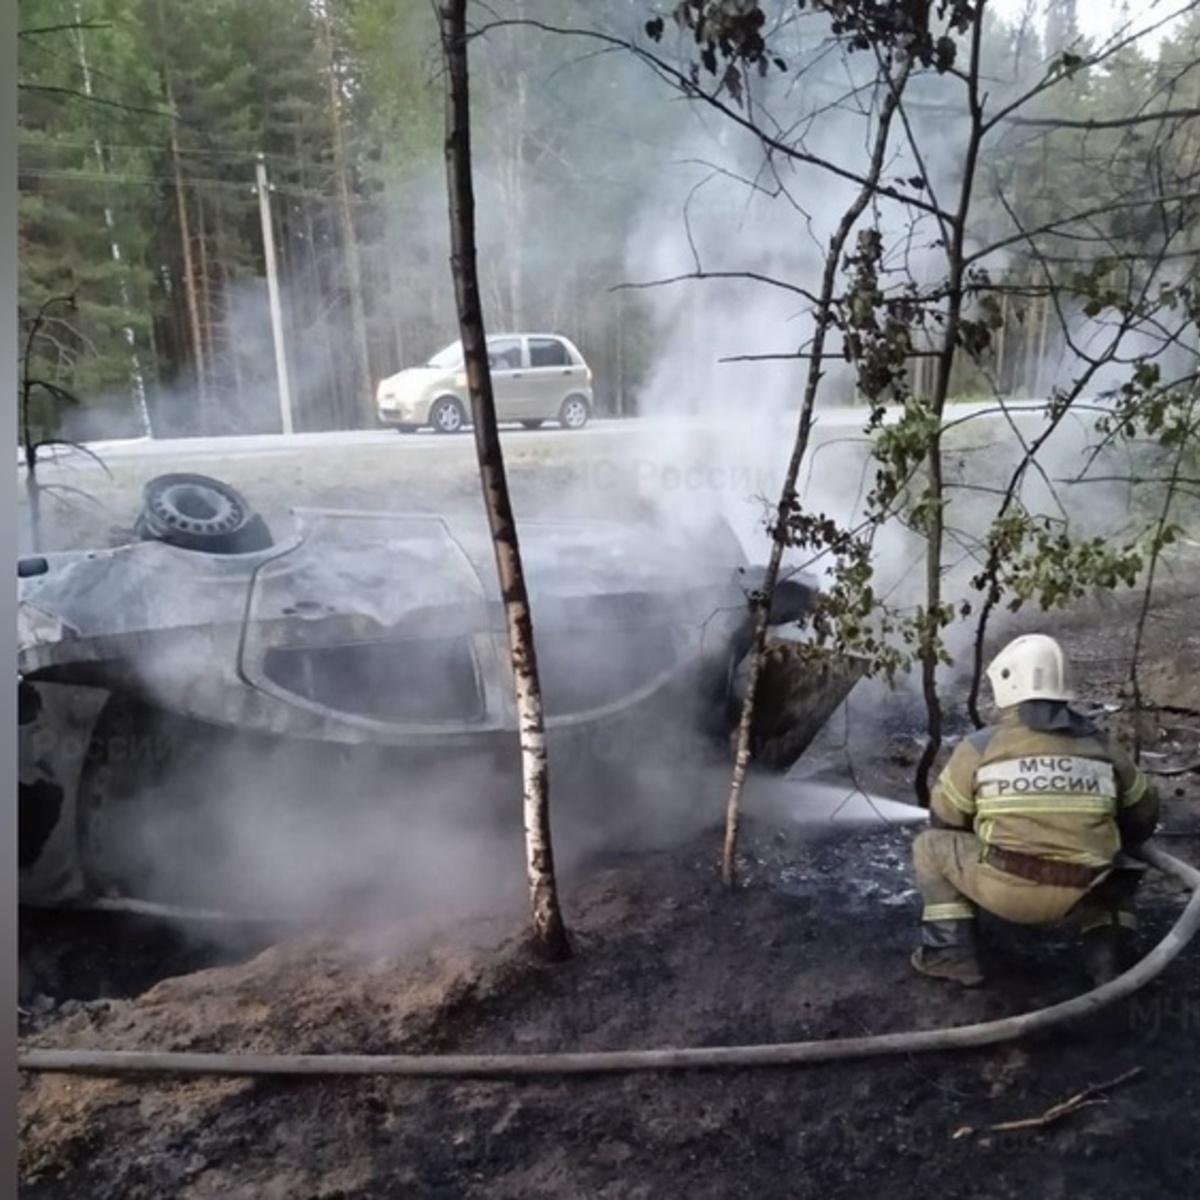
(1032, 667)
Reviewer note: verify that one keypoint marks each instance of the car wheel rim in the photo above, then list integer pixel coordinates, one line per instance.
(574, 413)
(193, 504)
(447, 418)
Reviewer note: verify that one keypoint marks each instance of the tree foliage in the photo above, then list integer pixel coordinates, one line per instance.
(1066, 221)
(343, 100)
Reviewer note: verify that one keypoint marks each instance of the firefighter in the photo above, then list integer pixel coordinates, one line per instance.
(1030, 820)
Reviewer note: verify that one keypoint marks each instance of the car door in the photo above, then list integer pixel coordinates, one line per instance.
(553, 374)
(506, 355)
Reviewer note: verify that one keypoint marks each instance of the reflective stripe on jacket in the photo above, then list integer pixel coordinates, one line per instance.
(1069, 796)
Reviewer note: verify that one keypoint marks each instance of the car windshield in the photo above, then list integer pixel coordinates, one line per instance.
(503, 351)
(448, 358)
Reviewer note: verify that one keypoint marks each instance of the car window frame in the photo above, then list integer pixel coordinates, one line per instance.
(518, 340)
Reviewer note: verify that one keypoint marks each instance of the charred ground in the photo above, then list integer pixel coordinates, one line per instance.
(814, 944)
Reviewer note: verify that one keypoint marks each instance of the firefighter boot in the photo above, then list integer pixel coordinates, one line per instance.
(948, 951)
(1107, 952)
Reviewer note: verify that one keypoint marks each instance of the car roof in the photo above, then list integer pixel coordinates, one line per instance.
(536, 333)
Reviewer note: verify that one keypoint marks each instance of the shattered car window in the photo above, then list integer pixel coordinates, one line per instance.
(406, 682)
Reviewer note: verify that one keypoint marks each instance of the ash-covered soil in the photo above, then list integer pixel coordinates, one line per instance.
(813, 944)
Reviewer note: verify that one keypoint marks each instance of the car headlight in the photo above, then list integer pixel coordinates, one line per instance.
(390, 401)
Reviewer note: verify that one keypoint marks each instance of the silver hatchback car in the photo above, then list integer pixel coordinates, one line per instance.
(536, 377)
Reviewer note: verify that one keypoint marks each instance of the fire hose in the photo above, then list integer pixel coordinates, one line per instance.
(987, 1033)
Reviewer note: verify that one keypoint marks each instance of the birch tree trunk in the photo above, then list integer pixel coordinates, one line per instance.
(514, 209)
(998, 349)
(137, 379)
(362, 410)
(208, 337)
(549, 933)
(1043, 331)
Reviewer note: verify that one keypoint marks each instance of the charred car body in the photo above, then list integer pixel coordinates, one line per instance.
(206, 672)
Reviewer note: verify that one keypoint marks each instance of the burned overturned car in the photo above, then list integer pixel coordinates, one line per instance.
(206, 706)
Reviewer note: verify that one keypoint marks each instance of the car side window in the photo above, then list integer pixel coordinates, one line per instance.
(407, 682)
(504, 354)
(548, 352)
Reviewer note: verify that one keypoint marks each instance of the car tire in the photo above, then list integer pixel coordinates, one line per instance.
(574, 413)
(198, 512)
(447, 415)
(533, 424)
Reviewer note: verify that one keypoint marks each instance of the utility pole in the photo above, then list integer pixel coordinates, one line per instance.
(281, 371)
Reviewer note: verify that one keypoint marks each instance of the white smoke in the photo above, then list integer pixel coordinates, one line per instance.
(719, 408)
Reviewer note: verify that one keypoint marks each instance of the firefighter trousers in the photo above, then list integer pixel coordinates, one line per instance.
(954, 882)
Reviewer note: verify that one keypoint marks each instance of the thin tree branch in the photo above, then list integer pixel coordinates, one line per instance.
(683, 83)
(1094, 123)
(51, 89)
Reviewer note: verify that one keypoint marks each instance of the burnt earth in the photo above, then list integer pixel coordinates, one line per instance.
(813, 944)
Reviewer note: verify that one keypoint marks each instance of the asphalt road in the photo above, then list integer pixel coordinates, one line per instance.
(426, 442)
(261, 444)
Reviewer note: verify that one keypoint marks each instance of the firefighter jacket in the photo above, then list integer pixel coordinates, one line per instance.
(1046, 782)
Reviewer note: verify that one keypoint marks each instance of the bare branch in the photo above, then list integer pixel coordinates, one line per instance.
(75, 446)
(683, 83)
(70, 27)
(700, 274)
(50, 89)
(1094, 123)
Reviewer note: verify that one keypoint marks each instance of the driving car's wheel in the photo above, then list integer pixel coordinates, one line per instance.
(446, 415)
(532, 424)
(574, 413)
(197, 512)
